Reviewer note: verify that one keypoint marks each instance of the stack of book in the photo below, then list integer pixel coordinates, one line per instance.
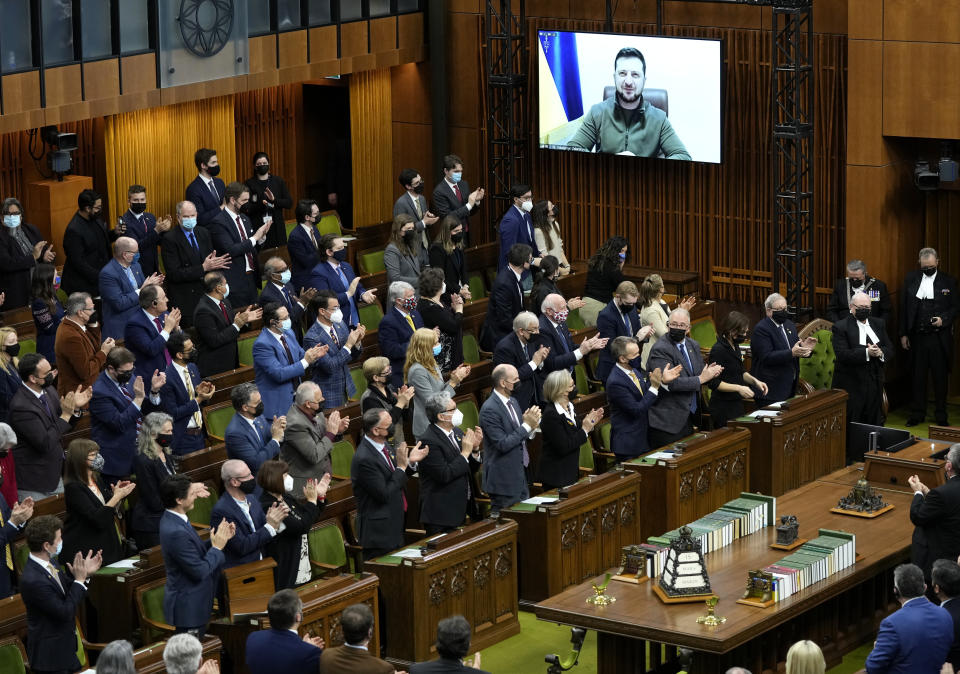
(829, 553)
(740, 517)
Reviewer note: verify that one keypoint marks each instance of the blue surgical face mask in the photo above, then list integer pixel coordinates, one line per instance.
(456, 175)
(11, 221)
(136, 258)
(437, 349)
(59, 548)
(623, 256)
(287, 324)
(285, 277)
(188, 223)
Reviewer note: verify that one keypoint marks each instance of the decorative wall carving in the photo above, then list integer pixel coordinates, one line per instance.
(504, 560)
(723, 470)
(739, 464)
(458, 584)
(608, 520)
(336, 630)
(588, 530)
(703, 478)
(568, 534)
(481, 570)
(628, 510)
(686, 486)
(437, 591)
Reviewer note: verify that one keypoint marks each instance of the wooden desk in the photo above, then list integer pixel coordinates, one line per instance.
(149, 660)
(576, 537)
(476, 577)
(839, 613)
(893, 470)
(713, 470)
(804, 442)
(682, 281)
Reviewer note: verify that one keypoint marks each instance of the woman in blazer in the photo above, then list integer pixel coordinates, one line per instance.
(289, 547)
(152, 466)
(446, 316)
(655, 312)
(446, 253)
(546, 233)
(421, 372)
(381, 395)
(404, 257)
(562, 437)
(93, 506)
(733, 386)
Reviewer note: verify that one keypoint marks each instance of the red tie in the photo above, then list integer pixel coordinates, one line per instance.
(159, 323)
(243, 237)
(386, 455)
(456, 189)
(223, 308)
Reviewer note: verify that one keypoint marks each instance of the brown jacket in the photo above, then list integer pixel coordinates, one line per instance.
(353, 660)
(79, 357)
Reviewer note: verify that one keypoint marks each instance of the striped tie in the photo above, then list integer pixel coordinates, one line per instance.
(190, 392)
(129, 397)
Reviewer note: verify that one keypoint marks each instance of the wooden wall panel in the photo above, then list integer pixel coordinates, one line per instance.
(139, 73)
(353, 39)
(262, 53)
(465, 78)
(63, 85)
(865, 19)
(715, 14)
(921, 92)
(383, 34)
(915, 20)
(412, 130)
(865, 142)
(21, 92)
(292, 50)
(101, 79)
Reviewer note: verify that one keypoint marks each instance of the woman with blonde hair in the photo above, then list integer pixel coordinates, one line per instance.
(422, 373)
(655, 312)
(562, 436)
(404, 256)
(805, 657)
(381, 395)
(152, 465)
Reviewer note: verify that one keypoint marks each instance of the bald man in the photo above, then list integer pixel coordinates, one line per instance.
(121, 281)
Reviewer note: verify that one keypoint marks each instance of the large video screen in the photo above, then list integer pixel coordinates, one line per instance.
(632, 95)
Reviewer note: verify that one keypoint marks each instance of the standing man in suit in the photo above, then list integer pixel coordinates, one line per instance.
(677, 411)
(238, 505)
(506, 430)
(216, 331)
(80, 355)
(13, 520)
(522, 349)
(52, 597)
(21, 248)
(777, 351)
(453, 195)
(945, 578)
(40, 418)
(121, 281)
(148, 330)
(928, 308)
(309, 436)
(249, 436)
(620, 319)
(857, 280)
(144, 228)
(915, 638)
(453, 644)
(206, 190)
(280, 648)
(279, 362)
(183, 394)
(564, 355)
(86, 244)
(397, 327)
(303, 244)
(233, 234)
(277, 288)
(413, 203)
(193, 566)
(354, 656)
(331, 372)
(117, 410)
(935, 514)
(862, 350)
(516, 226)
(506, 296)
(334, 273)
(188, 254)
(379, 475)
(446, 474)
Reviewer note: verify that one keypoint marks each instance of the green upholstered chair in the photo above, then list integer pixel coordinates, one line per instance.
(580, 378)
(574, 322)
(604, 428)
(817, 370)
(290, 225)
(329, 223)
(471, 415)
(371, 262)
(705, 332)
(149, 598)
(13, 656)
(216, 420)
(359, 382)
(245, 350)
(340, 458)
(471, 349)
(370, 316)
(586, 457)
(62, 296)
(21, 553)
(477, 289)
(27, 346)
(199, 515)
(328, 551)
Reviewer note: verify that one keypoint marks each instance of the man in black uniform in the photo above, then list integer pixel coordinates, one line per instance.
(858, 280)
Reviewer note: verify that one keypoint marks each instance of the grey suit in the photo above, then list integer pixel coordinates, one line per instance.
(671, 414)
(405, 205)
(402, 267)
(504, 474)
(306, 447)
(426, 384)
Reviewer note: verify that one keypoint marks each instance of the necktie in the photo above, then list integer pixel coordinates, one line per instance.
(188, 384)
(526, 354)
(126, 394)
(516, 420)
(456, 190)
(243, 237)
(296, 380)
(410, 321)
(246, 511)
(686, 357)
(223, 308)
(144, 222)
(43, 399)
(193, 241)
(333, 336)
(6, 548)
(52, 570)
(159, 325)
(416, 204)
(626, 322)
(354, 314)
(564, 347)
(313, 237)
(636, 381)
(131, 278)
(453, 441)
(213, 188)
(386, 455)
(786, 339)
(286, 297)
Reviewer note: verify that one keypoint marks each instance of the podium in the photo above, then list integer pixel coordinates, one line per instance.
(891, 470)
(712, 470)
(472, 571)
(248, 588)
(806, 440)
(576, 536)
(52, 204)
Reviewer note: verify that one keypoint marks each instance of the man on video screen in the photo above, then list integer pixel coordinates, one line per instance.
(626, 123)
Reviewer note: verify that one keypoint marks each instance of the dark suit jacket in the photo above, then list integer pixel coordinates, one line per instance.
(207, 205)
(325, 277)
(86, 245)
(273, 651)
(560, 453)
(773, 362)
(454, 269)
(38, 454)
(253, 447)
(444, 666)
(144, 230)
(506, 301)
(839, 304)
(952, 607)
(113, 421)
(354, 660)
(7, 535)
(303, 255)
(332, 371)
(503, 470)
(379, 502)
(79, 357)
(226, 239)
(288, 298)
(146, 343)
(51, 618)
(629, 412)
(445, 202)
(444, 479)
(175, 399)
(284, 548)
(515, 227)
(16, 267)
(915, 638)
(147, 510)
(183, 267)
(852, 371)
(394, 335)
(562, 356)
(90, 524)
(673, 407)
(936, 517)
(404, 204)
(193, 573)
(216, 337)
(510, 351)
(945, 306)
(610, 324)
(248, 543)
(120, 299)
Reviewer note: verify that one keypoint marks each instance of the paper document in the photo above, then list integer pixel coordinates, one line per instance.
(125, 564)
(759, 414)
(660, 455)
(409, 553)
(540, 500)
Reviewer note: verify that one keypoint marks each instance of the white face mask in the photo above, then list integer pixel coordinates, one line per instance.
(443, 288)
(226, 290)
(457, 418)
(527, 206)
(286, 324)
(287, 483)
(337, 316)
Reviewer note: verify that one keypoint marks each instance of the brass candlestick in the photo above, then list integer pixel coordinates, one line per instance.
(711, 619)
(600, 598)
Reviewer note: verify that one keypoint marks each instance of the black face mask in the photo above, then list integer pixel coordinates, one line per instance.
(138, 208)
(408, 237)
(739, 339)
(13, 350)
(677, 335)
(340, 255)
(258, 410)
(855, 282)
(780, 316)
(213, 171)
(190, 356)
(248, 486)
(556, 212)
(48, 380)
(456, 238)
(418, 189)
(627, 308)
(929, 271)
(165, 439)
(94, 318)
(262, 169)
(861, 313)
(124, 377)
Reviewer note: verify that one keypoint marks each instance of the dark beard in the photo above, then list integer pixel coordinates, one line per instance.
(621, 100)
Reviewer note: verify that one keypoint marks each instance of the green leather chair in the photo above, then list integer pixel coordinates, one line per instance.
(329, 223)
(328, 550)
(245, 350)
(471, 349)
(471, 415)
(149, 599)
(202, 509)
(340, 458)
(217, 419)
(370, 316)
(817, 370)
(372, 262)
(477, 289)
(290, 225)
(27, 346)
(705, 332)
(586, 457)
(574, 322)
(359, 382)
(580, 379)
(13, 656)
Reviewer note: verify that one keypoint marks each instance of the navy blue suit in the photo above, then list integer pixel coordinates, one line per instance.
(226, 239)
(562, 356)
(175, 400)
(277, 376)
(120, 298)
(915, 639)
(510, 351)
(628, 413)
(207, 205)
(7, 534)
(610, 325)
(193, 573)
(51, 618)
(273, 650)
(248, 543)
(252, 446)
(304, 256)
(394, 334)
(515, 227)
(113, 423)
(288, 298)
(325, 277)
(144, 230)
(773, 362)
(332, 371)
(146, 343)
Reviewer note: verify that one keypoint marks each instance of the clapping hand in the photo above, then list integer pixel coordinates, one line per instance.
(312, 640)
(644, 332)
(406, 394)
(212, 262)
(746, 393)
(417, 453)
(199, 490)
(222, 534)
(671, 373)
(575, 303)
(22, 511)
(157, 381)
(209, 667)
(323, 485)
(164, 224)
(205, 390)
(84, 567)
(532, 416)
(917, 485)
(153, 279)
(123, 488)
(276, 513)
